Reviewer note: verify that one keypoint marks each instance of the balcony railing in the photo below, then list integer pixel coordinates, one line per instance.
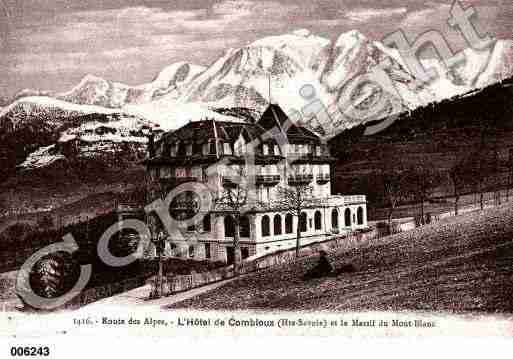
(339, 200)
(268, 180)
(296, 180)
(323, 178)
(311, 158)
(174, 179)
(231, 181)
(184, 206)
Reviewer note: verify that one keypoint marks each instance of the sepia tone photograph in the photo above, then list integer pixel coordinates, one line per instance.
(255, 166)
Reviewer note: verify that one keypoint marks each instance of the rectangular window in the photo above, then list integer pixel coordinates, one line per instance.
(196, 148)
(212, 148)
(207, 251)
(166, 172)
(180, 172)
(197, 172)
(227, 149)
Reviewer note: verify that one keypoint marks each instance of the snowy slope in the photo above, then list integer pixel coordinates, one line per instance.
(170, 115)
(499, 66)
(33, 103)
(42, 157)
(183, 92)
(93, 90)
(241, 77)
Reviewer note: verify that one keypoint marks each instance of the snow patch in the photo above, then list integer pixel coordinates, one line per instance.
(173, 115)
(42, 157)
(302, 32)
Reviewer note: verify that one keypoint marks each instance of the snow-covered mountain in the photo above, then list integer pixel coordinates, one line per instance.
(241, 77)
(95, 136)
(170, 82)
(274, 68)
(38, 132)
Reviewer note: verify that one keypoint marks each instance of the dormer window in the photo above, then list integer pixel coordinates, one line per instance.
(265, 149)
(227, 149)
(181, 150)
(196, 148)
(239, 148)
(212, 148)
(311, 149)
(317, 150)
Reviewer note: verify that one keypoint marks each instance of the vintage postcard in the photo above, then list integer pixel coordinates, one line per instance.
(254, 169)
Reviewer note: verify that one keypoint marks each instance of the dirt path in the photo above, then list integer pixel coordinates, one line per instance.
(139, 296)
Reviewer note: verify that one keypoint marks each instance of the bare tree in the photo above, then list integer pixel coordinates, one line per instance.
(421, 183)
(395, 189)
(294, 199)
(156, 190)
(486, 160)
(462, 174)
(233, 200)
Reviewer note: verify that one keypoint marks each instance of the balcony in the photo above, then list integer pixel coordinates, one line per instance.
(310, 158)
(177, 180)
(339, 200)
(231, 181)
(184, 206)
(298, 180)
(268, 180)
(323, 178)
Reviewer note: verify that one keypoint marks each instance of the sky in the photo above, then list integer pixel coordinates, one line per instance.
(51, 44)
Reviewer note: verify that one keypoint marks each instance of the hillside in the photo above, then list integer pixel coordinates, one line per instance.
(438, 135)
(457, 265)
(94, 134)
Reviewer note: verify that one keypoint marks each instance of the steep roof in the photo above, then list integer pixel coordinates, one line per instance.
(206, 130)
(274, 116)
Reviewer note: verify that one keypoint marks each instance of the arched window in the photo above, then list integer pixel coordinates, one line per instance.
(289, 223)
(359, 216)
(206, 223)
(266, 226)
(277, 225)
(229, 226)
(347, 217)
(318, 221)
(334, 219)
(245, 230)
(302, 222)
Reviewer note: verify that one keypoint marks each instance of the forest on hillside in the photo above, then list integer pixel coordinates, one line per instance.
(459, 146)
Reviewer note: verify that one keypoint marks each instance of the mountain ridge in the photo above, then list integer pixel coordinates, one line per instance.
(100, 117)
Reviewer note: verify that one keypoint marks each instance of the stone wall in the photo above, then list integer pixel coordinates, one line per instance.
(181, 283)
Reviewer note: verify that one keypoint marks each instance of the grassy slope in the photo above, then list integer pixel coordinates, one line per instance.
(459, 264)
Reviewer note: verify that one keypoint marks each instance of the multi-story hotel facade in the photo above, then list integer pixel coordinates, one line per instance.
(272, 154)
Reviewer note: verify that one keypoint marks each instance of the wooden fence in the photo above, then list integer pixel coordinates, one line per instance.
(180, 283)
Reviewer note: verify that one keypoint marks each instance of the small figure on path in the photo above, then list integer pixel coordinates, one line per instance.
(323, 268)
